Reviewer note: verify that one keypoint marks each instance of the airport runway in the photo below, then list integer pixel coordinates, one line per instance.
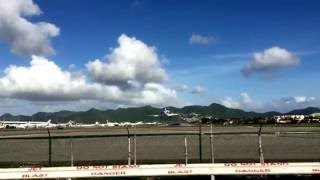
(159, 145)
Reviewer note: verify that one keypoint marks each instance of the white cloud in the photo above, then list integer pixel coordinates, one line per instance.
(311, 98)
(270, 61)
(182, 88)
(245, 102)
(23, 36)
(230, 103)
(246, 98)
(132, 62)
(203, 40)
(44, 81)
(285, 104)
(300, 99)
(192, 90)
(44, 84)
(198, 90)
(296, 100)
(72, 66)
(155, 94)
(289, 103)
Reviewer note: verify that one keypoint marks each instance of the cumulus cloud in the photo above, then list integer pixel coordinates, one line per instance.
(245, 102)
(198, 90)
(284, 104)
(155, 94)
(133, 62)
(72, 66)
(246, 98)
(270, 61)
(44, 81)
(301, 99)
(230, 103)
(182, 88)
(193, 90)
(295, 102)
(202, 40)
(25, 37)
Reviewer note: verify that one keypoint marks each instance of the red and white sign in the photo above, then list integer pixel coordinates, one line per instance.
(160, 170)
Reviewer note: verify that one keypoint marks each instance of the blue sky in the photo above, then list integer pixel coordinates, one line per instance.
(252, 55)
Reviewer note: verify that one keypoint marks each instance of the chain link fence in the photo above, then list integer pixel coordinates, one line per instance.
(55, 148)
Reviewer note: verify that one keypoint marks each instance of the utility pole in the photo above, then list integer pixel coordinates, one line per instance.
(135, 146)
(49, 146)
(129, 147)
(261, 158)
(186, 150)
(200, 142)
(211, 148)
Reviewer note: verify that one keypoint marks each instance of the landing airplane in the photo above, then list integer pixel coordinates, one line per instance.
(26, 124)
(167, 113)
(164, 113)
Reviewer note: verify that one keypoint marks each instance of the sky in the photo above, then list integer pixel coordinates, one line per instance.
(76, 55)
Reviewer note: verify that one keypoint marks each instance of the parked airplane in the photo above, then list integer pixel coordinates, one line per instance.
(26, 124)
(65, 125)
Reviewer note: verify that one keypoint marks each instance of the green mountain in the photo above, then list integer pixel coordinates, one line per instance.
(306, 111)
(220, 111)
(146, 114)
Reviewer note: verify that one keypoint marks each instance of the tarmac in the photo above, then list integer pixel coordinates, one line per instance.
(158, 144)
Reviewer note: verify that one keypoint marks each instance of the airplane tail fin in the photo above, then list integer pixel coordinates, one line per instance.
(70, 123)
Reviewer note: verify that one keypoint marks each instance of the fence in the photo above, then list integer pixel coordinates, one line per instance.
(132, 148)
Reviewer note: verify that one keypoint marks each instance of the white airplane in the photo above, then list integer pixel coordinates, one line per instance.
(65, 125)
(112, 124)
(81, 125)
(26, 124)
(164, 113)
(154, 115)
(167, 113)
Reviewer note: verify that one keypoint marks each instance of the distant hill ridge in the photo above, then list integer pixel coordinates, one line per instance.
(134, 114)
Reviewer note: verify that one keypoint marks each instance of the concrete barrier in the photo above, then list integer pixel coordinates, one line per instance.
(280, 168)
